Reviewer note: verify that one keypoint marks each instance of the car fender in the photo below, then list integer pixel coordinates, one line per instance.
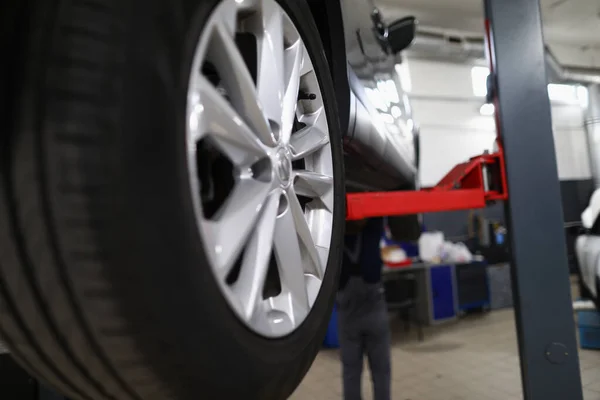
(329, 19)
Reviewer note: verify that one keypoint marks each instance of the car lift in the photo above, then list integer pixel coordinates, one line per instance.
(525, 164)
(472, 184)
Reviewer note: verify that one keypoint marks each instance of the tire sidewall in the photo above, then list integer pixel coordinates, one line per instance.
(185, 310)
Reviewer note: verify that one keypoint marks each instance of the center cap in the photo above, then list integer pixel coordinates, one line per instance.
(283, 166)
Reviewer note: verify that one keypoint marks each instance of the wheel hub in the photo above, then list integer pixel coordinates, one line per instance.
(283, 166)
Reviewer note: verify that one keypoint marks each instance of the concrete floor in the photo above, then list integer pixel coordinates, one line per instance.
(475, 358)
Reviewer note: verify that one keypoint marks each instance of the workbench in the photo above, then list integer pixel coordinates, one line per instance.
(438, 295)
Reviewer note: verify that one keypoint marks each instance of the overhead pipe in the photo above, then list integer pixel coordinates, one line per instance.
(463, 47)
(569, 73)
(443, 44)
(592, 129)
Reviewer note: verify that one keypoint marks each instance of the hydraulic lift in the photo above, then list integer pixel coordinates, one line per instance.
(524, 165)
(473, 184)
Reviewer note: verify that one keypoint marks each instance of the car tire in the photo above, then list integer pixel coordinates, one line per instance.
(107, 290)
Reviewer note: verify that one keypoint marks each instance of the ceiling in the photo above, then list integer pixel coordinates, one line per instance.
(571, 27)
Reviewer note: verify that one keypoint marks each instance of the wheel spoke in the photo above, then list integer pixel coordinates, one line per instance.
(312, 263)
(247, 5)
(212, 115)
(294, 57)
(308, 139)
(307, 65)
(257, 256)
(290, 263)
(270, 80)
(229, 231)
(314, 185)
(228, 15)
(238, 82)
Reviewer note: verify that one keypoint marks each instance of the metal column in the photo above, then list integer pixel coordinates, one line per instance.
(544, 314)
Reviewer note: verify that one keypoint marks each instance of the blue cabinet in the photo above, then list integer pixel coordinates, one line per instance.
(437, 294)
(443, 297)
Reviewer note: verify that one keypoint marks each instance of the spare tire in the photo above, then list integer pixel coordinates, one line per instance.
(171, 197)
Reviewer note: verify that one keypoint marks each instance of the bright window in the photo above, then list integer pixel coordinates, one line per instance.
(567, 94)
(562, 93)
(582, 96)
(479, 80)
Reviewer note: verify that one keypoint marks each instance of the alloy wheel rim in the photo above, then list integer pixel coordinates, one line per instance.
(265, 211)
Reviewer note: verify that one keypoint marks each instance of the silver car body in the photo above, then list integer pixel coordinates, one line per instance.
(380, 144)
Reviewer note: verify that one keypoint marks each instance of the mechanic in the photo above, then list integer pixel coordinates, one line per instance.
(362, 311)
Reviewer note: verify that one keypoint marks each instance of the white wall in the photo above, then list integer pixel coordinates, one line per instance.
(452, 128)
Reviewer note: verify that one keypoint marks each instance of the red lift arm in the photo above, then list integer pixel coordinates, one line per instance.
(472, 184)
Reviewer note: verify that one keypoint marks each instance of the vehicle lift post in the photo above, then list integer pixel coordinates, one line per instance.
(524, 167)
(544, 314)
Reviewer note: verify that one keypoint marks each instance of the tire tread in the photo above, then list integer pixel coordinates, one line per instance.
(73, 368)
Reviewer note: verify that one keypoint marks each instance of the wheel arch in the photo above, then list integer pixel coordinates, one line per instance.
(329, 20)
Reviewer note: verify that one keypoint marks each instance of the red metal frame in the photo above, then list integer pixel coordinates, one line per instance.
(464, 187)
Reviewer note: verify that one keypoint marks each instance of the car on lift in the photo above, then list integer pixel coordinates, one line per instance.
(172, 187)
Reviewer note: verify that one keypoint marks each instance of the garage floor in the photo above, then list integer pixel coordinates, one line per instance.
(473, 359)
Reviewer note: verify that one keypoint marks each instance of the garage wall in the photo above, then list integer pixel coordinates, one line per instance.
(452, 128)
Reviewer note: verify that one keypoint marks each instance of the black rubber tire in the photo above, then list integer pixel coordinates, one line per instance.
(105, 292)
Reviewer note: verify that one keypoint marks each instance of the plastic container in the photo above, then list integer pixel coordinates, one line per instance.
(588, 323)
